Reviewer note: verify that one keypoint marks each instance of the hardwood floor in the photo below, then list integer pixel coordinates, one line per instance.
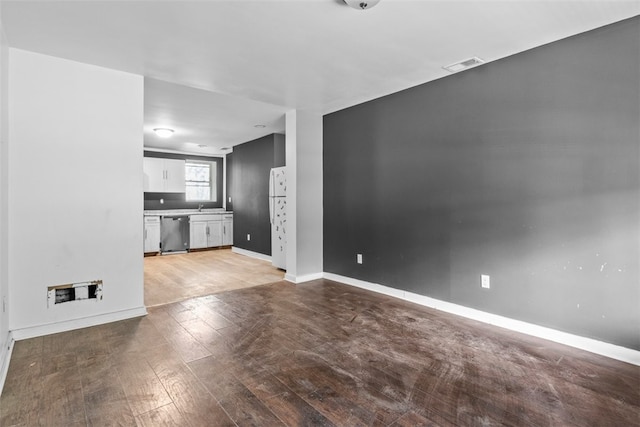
(319, 353)
(171, 278)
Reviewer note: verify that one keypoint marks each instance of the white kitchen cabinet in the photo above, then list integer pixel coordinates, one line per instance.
(205, 231)
(197, 233)
(163, 175)
(151, 234)
(227, 229)
(174, 172)
(153, 174)
(215, 233)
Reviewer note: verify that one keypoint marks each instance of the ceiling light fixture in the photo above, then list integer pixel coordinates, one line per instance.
(259, 126)
(362, 4)
(163, 132)
(463, 65)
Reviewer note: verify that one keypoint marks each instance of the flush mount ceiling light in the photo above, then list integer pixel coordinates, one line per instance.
(362, 4)
(259, 126)
(463, 65)
(163, 132)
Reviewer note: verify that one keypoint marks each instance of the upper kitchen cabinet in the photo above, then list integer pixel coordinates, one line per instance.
(163, 175)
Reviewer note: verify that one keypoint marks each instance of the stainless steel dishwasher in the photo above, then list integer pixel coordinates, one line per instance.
(174, 233)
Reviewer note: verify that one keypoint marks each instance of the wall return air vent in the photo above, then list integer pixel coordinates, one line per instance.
(74, 292)
(463, 65)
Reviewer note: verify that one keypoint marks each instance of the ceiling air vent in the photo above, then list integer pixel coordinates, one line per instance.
(463, 65)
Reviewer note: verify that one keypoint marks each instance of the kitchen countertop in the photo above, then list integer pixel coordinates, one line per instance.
(186, 212)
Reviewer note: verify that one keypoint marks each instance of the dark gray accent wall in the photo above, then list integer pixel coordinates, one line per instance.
(177, 200)
(252, 162)
(279, 151)
(229, 182)
(526, 169)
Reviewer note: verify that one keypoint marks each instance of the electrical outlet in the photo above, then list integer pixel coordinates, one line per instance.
(485, 281)
(248, 236)
(359, 258)
(229, 199)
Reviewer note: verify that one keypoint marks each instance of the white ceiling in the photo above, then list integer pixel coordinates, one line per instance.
(200, 117)
(216, 68)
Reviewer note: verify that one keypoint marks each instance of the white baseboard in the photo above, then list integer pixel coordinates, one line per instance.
(594, 346)
(4, 361)
(301, 279)
(69, 325)
(251, 254)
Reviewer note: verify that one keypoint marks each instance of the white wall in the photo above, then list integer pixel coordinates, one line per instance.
(75, 191)
(304, 195)
(4, 134)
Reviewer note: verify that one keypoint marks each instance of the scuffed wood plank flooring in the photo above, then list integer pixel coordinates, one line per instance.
(171, 278)
(319, 353)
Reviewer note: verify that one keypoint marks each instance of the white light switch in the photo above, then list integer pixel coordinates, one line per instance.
(485, 281)
(248, 236)
(359, 258)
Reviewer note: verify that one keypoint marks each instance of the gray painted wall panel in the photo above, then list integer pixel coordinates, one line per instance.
(229, 181)
(526, 169)
(249, 188)
(279, 150)
(252, 162)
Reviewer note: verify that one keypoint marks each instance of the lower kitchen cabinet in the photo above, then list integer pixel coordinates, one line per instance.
(197, 234)
(151, 234)
(227, 229)
(205, 231)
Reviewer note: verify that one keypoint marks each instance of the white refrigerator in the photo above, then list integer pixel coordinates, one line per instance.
(278, 216)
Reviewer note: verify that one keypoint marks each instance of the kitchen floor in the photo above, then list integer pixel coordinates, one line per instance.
(171, 278)
(318, 353)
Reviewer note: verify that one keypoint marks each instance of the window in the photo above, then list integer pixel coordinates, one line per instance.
(200, 181)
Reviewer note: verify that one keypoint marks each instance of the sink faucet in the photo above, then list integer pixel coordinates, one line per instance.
(200, 206)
